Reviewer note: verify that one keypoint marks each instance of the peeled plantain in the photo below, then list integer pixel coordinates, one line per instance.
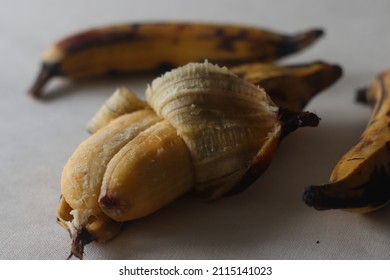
(202, 129)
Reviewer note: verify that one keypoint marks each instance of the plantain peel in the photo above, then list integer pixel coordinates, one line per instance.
(202, 130)
(146, 47)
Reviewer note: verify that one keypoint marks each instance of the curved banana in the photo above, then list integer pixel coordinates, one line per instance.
(152, 46)
(207, 131)
(360, 182)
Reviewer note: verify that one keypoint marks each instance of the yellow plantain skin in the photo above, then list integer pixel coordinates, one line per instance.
(360, 182)
(291, 86)
(141, 47)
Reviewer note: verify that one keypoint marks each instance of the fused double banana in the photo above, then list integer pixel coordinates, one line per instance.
(360, 182)
(202, 130)
(152, 46)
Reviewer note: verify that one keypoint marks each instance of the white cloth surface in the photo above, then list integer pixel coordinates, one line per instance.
(269, 220)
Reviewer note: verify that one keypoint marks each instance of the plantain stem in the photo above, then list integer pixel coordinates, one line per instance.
(304, 39)
(81, 238)
(46, 73)
(333, 196)
(373, 193)
(291, 121)
(361, 95)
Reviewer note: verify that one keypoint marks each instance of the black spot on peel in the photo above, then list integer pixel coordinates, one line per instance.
(226, 41)
(112, 202)
(108, 202)
(93, 38)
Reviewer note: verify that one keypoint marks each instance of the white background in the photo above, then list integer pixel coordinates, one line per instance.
(269, 220)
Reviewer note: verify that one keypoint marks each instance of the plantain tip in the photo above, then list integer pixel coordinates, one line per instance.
(299, 41)
(40, 81)
(46, 73)
(306, 38)
(81, 238)
(324, 197)
(318, 32)
(338, 70)
(361, 95)
(291, 121)
(311, 196)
